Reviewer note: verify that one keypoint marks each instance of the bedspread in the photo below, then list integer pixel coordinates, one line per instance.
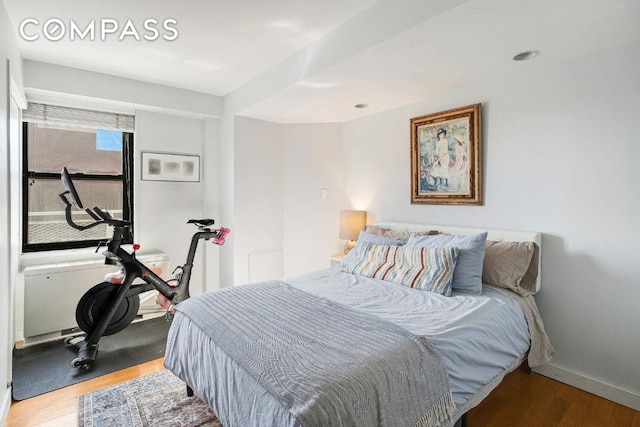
(326, 363)
(480, 338)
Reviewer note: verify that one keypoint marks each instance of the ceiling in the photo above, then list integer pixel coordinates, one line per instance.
(382, 53)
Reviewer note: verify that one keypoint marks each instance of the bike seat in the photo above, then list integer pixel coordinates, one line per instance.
(201, 222)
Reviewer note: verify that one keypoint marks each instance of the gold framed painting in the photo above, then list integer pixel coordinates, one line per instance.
(446, 157)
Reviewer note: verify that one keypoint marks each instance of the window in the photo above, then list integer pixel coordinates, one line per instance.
(97, 150)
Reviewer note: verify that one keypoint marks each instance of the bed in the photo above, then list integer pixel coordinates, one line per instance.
(476, 337)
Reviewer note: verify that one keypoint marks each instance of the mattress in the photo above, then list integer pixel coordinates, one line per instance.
(480, 337)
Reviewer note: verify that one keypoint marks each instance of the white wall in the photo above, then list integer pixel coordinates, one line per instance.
(312, 161)
(561, 154)
(10, 69)
(162, 209)
(210, 162)
(282, 226)
(258, 197)
(225, 163)
(5, 244)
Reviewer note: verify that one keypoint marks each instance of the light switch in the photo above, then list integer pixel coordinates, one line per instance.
(324, 193)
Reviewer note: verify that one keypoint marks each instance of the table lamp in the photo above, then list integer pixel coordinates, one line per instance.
(351, 222)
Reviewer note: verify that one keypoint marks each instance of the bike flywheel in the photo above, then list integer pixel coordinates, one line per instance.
(94, 304)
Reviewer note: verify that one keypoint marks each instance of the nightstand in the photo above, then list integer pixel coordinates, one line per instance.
(336, 259)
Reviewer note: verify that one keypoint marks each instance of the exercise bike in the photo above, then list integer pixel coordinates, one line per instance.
(110, 306)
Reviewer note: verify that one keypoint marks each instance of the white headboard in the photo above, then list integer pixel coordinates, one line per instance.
(492, 234)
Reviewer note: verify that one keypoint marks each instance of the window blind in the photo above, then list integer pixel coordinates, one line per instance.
(78, 117)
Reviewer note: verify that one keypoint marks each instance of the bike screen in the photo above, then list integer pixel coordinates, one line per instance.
(71, 189)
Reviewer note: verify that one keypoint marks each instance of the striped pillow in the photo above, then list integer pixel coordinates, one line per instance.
(429, 269)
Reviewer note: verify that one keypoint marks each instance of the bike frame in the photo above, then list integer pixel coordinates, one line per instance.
(133, 269)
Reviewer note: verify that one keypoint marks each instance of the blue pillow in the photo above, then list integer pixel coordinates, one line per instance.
(376, 239)
(468, 273)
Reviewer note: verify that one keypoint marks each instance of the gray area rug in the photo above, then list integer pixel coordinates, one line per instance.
(159, 400)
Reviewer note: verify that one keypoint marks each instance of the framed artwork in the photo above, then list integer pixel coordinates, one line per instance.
(170, 167)
(446, 157)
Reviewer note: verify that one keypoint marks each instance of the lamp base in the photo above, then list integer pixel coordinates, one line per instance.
(349, 245)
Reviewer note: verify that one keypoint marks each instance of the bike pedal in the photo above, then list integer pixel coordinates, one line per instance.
(74, 340)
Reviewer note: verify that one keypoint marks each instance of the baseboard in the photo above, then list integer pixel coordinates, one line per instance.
(4, 406)
(590, 385)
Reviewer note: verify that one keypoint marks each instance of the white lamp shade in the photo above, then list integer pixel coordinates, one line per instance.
(351, 222)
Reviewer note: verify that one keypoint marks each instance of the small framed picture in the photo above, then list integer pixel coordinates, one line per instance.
(170, 167)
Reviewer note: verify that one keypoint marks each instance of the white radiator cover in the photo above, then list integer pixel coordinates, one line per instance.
(52, 292)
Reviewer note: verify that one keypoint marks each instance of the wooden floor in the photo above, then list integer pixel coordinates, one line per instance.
(521, 400)
(59, 407)
(534, 400)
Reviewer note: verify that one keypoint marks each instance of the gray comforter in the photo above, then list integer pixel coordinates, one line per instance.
(326, 363)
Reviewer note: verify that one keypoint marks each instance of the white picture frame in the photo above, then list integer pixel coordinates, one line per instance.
(170, 167)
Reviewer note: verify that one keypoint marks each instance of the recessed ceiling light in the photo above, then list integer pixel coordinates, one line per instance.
(361, 105)
(526, 55)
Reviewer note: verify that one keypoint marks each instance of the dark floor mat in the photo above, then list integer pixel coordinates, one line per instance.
(47, 367)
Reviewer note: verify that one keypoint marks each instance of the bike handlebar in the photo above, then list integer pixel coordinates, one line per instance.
(107, 218)
(103, 217)
(98, 215)
(222, 234)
